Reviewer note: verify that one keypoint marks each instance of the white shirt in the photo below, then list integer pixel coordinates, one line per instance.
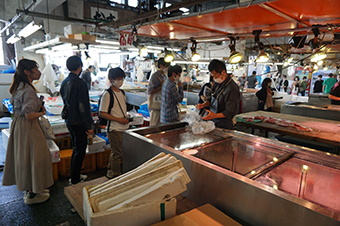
(115, 111)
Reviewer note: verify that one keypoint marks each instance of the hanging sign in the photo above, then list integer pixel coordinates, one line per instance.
(126, 40)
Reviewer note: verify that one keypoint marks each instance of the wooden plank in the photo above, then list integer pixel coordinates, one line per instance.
(325, 131)
(74, 193)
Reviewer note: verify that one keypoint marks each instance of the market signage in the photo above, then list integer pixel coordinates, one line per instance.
(126, 40)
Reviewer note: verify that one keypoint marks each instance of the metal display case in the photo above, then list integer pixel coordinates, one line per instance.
(324, 111)
(255, 180)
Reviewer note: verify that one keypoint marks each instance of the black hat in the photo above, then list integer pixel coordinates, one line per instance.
(116, 72)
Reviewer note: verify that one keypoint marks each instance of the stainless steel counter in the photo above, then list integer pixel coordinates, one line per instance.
(324, 112)
(318, 99)
(259, 181)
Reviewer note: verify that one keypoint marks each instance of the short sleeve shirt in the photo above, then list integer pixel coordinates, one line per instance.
(115, 111)
(335, 92)
(251, 81)
(25, 100)
(155, 81)
(329, 83)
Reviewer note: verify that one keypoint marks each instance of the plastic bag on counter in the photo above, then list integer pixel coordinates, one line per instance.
(191, 117)
(203, 127)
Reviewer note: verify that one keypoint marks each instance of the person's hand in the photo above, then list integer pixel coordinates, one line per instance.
(123, 121)
(199, 106)
(210, 116)
(90, 131)
(261, 101)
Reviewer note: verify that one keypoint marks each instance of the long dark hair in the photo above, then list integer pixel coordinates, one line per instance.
(20, 75)
(265, 82)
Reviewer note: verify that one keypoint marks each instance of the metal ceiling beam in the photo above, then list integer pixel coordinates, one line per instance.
(284, 15)
(16, 17)
(197, 28)
(55, 17)
(154, 13)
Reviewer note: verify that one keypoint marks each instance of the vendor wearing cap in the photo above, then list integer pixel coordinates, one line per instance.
(224, 102)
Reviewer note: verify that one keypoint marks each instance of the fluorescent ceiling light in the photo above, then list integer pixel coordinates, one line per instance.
(107, 42)
(13, 39)
(105, 47)
(143, 52)
(319, 56)
(190, 62)
(66, 46)
(42, 51)
(162, 48)
(184, 10)
(29, 29)
(167, 4)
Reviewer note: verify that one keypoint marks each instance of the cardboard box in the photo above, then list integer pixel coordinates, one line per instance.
(102, 159)
(203, 215)
(55, 171)
(85, 37)
(140, 215)
(73, 29)
(99, 145)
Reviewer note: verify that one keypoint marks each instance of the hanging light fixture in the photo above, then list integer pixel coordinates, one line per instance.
(168, 56)
(143, 52)
(288, 61)
(195, 56)
(262, 57)
(320, 62)
(318, 56)
(13, 39)
(29, 29)
(235, 56)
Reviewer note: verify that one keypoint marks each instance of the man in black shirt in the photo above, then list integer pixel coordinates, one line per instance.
(87, 76)
(283, 84)
(318, 85)
(252, 81)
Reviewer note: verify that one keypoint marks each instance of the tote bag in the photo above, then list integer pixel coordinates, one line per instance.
(46, 128)
(155, 99)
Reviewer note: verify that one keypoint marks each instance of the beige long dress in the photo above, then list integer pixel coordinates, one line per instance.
(28, 160)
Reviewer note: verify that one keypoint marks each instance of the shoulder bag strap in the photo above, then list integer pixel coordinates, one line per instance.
(119, 104)
(109, 90)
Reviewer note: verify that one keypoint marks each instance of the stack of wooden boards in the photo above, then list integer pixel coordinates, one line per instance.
(142, 196)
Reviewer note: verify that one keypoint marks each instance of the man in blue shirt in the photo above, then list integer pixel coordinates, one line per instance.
(171, 96)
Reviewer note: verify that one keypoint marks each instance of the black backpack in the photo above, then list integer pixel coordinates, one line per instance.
(103, 121)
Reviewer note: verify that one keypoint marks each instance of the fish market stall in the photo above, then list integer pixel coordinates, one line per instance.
(319, 99)
(255, 180)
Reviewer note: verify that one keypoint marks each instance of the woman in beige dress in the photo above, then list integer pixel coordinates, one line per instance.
(28, 162)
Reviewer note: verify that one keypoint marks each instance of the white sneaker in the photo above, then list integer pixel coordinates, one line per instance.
(82, 179)
(45, 191)
(39, 198)
(109, 174)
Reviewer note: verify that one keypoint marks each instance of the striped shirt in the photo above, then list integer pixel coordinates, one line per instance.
(171, 96)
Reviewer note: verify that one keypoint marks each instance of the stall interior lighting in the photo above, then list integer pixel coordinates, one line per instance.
(235, 56)
(143, 52)
(13, 39)
(29, 29)
(262, 57)
(169, 57)
(318, 56)
(108, 42)
(195, 56)
(325, 68)
(319, 63)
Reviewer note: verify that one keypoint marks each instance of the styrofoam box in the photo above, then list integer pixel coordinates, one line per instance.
(140, 215)
(99, 145)
(54, 149)
(5, 136)
(59, 128)
(137, 119)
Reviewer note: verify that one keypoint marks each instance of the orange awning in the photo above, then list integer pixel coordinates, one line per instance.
(276, 17)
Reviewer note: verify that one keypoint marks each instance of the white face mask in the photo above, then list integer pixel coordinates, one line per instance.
(218, 80)
(117, 83)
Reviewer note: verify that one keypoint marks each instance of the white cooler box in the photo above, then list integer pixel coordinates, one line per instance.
(54, 149)
(5, 136)
(137, 119)
(99, 145)
(59, 128)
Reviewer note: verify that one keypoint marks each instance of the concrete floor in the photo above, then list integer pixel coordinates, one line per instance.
(56, 211)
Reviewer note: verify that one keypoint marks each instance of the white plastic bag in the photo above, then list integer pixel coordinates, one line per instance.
(203, 127)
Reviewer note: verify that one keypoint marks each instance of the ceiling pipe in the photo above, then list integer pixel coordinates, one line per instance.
(17, 16)
(55, 17)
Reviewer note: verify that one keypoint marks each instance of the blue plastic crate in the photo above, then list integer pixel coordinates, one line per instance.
(103, 136)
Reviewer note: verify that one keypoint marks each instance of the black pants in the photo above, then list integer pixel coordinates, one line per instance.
(78, 143)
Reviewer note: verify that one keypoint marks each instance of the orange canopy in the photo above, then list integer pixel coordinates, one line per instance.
(277, 17)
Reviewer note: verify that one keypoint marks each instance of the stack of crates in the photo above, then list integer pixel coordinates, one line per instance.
(64, 167)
